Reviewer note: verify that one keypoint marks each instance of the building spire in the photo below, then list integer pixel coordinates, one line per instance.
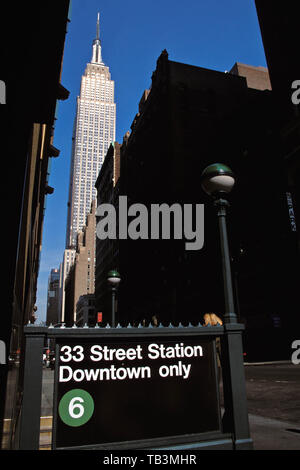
(97, 57)
(98, 27)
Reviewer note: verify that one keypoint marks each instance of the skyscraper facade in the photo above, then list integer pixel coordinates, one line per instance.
(53, 297)
(94, 130)
(65, 266)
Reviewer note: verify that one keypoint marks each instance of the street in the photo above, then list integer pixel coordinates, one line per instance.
(273, 391)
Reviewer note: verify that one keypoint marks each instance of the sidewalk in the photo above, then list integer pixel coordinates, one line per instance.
(273, 394)
(266, 433)
(271, 434)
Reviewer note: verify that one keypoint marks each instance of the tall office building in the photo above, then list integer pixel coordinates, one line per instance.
(53, 297)
(65, 266)
(94, 130)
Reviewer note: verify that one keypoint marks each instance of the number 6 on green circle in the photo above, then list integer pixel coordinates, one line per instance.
(76, 407)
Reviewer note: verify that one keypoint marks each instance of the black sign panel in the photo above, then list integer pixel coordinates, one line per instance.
(112, 390)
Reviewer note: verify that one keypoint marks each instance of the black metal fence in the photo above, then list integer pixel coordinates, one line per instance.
(157, 388)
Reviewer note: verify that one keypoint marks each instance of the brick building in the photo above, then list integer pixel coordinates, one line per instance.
(81, 278)
(256, 77)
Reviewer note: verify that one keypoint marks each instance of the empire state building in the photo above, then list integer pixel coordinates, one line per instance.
(94, 130)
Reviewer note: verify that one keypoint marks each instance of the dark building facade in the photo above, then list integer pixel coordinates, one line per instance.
(193, 117)
(279, 30)
(31, 62)
(279, 24)
(107, 250)
(53, 298)
(85, 309)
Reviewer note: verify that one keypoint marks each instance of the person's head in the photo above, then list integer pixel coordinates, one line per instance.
(212, 319)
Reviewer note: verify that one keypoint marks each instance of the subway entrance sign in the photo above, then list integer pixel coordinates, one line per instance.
(138, 388)
(111, 390)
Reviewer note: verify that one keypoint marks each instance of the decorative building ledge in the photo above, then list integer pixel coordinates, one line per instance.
(53, 151)
(63, 93)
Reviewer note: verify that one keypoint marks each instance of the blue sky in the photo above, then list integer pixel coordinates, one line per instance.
(207, 33)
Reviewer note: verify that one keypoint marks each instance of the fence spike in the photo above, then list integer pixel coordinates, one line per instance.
(107, 325)
(118, 325)
(74, 325)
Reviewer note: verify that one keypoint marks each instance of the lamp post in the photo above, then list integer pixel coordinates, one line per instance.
(217, 180)
(113, 279)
